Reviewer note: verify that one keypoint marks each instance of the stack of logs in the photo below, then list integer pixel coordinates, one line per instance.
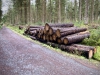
(63, 36)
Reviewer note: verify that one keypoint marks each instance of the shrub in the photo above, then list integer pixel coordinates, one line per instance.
(97, 54)
(94, 39)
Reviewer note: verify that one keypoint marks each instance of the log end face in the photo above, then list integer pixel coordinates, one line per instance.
(44, 37)
(90, 54)
(65, 41)
(58, 33)
(47, 26)
(51, 39)
(54, 37)
(50, 31)
(59, 41)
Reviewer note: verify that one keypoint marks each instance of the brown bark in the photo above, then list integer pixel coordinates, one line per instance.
(32, 29)
(84, 46)
(75, 38)
(61, 32)
(75, 50)
(80, 51)
(33, 33)
(32, 37)
(53, 44)
(35, 26)
(47, 25)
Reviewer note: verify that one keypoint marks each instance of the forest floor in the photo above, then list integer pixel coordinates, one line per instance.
(19, 56)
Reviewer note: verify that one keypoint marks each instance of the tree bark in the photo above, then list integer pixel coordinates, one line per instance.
(93, 10)
(84, 46)
(86, 13)
(79, 51)
(80, 10)
(59, 12)
(75, 38)
(61, 32)
(47, 25)
(75, 9)
(75, 50)
(0, 10)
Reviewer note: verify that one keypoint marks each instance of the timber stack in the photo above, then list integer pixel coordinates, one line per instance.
(63, 36)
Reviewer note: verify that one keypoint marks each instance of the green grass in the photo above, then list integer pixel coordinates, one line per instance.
(15, 28)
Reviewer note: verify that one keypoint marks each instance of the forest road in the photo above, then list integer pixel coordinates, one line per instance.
(19, 56)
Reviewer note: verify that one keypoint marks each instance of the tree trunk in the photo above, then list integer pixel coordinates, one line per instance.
(0, 10)
(44, 11)
(25, 12)
(59, 12)
(97, 9)
(80, 10)
(75, 10)
(86, 13)
(92, 10)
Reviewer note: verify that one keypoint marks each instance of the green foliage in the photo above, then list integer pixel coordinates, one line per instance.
(94, 39)
(97, 54)
(38, 23)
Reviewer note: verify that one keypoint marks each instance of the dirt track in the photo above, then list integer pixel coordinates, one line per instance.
(19, 56)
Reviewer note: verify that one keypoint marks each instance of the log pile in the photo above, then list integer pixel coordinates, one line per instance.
(64, 36)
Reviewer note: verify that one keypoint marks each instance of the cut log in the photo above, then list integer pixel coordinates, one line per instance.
(54, 37)
(35, 26)
(48, 25)
(75, 38)
(44, 37)
(51, 31)
(59, 41)
(47, 38)
(53, 44)
(41, 31)
(67, 31)
(27, 31)
(51, 38)
(84, 46)
(33, 33)
(71, 49)
(79, 51)
(32, 37)
(21, 27)
(32, 29)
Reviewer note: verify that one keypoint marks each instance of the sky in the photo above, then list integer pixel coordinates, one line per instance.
(5, 5)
